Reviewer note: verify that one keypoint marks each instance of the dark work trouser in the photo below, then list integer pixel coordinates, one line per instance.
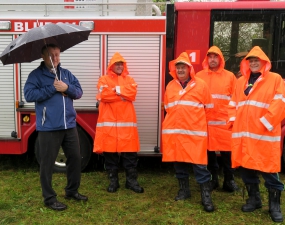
(272, 180)
(112, 159)
(49, 144)
(213, 165)
(201, 173)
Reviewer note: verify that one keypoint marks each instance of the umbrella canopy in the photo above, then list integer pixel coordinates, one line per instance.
(27, 47)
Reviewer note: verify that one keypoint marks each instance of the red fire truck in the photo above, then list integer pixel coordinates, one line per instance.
(134, 28)
(146, 39)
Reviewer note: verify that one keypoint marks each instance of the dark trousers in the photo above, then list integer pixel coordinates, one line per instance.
(49, 144)
(213, 165)
(271, 179)
(112, 160)
(201, 173)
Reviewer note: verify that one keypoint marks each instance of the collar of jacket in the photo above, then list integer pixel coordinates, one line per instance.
(219, 71)
(112, 74)
(46, 70)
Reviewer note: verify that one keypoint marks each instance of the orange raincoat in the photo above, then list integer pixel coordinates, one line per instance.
(184, 129)
(256, 131)
(221, 84)
(116, 129)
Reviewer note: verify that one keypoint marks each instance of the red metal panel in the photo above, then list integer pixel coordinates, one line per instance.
(101, 25)
(186, 6)
(192, 33)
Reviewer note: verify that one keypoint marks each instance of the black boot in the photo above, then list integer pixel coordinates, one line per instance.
(184, 191)
(215, 179)
(206, 189)
(254, 200)
(274, 205)
(229, 183)
(114, 181)
(131, 181)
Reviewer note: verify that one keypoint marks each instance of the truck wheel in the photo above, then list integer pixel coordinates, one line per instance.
(60, 162)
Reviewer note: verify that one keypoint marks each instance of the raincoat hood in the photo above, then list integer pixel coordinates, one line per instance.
(215, 50)
(255, 52)
(117, 58)
(182, 58)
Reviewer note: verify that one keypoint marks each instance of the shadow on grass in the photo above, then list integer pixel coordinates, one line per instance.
(18, 162)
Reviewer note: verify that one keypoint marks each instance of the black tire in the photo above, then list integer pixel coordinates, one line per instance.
(85, 151)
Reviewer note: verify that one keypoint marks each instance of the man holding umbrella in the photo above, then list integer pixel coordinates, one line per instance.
(53, 89)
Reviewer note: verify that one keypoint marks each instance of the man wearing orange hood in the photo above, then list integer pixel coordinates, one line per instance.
(221, 83)
(116, 130)
(257, 109)
(184, 129)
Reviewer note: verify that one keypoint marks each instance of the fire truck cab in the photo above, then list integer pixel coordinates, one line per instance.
(235, 27)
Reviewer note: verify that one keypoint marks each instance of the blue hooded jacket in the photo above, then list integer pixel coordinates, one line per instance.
(54, 111)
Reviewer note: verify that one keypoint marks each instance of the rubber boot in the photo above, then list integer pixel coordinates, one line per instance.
(215, 179)
(254, 200)
(184, 191)
(274, 205)
(206, 189)
(229, 183)
(131, 181)
(114, 181)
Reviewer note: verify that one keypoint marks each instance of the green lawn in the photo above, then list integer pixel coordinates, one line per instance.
(21, 201)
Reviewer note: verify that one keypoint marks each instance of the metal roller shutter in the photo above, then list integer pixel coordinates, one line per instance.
(142, 53)
(83, 60)
(7, 99)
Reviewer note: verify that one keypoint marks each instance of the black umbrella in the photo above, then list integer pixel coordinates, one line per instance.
(27, 47)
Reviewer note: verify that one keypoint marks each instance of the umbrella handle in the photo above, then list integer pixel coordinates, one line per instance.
(56, 77)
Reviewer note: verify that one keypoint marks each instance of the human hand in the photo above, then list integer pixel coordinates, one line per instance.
(60, 86)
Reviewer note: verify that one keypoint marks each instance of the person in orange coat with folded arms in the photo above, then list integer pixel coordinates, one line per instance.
(257, 109)
(184, 129)
(116, 130)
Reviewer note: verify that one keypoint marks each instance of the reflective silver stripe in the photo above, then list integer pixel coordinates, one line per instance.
(256, 136)
(101, 87)
(192, 84)
(225, 97)
(181, 102)
(44, 115)
(209, 106)
(279, 96)
(217, 122)
(129, 124)
(118, 90)
(266, 123)
(187, 132)
(114, 124)
(233, 118)
(253, 103)
(232, 103)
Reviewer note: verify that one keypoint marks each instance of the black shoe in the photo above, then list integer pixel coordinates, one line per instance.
(214, 184)
(57, 206)
(230, 186)
(77, 197)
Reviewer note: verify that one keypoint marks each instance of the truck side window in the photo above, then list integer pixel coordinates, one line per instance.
(282, 42)
(236, 32)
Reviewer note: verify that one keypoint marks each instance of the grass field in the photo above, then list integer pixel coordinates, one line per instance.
(21, 201)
